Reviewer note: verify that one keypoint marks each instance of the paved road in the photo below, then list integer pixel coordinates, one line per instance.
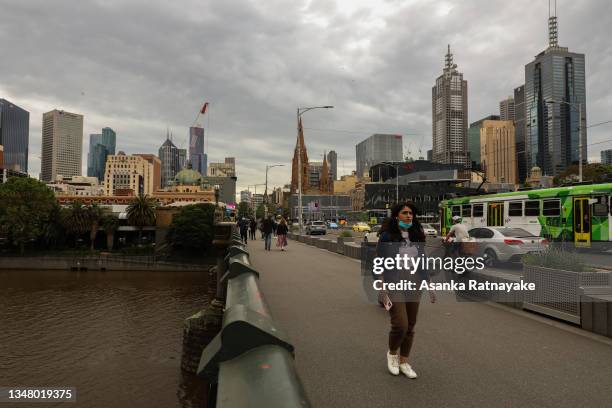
(467, 354)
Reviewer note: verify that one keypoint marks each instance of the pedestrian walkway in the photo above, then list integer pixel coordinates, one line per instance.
(466, 354)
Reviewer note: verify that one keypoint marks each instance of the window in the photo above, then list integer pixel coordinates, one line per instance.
(475, 232)
(466, 210)
(532, 208)
(600, 208)
(455, 210)
(515, 209)
(551, 208)
(478, 210)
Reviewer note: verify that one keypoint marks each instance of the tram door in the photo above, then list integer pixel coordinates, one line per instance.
(495, 214)
(582, 222)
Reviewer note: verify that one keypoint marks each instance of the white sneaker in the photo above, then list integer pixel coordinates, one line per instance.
(393, 363)
(407, 370)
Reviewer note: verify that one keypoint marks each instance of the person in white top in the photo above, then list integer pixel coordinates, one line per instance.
(459, 231)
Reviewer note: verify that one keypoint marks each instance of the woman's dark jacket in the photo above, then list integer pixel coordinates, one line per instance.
(282, 229)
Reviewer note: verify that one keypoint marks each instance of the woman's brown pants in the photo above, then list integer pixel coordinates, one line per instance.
(403, 318)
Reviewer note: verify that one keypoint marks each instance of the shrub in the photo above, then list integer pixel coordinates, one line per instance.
(346, 234)
(558, 258)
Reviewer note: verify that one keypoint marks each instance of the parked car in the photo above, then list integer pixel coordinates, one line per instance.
(332, 225)
(429, 230)
(316, 227)
(361, 227)
(505, 244)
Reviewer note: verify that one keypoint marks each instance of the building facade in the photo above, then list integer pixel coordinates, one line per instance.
(376, 149)
(245, 197)
(450, 116)
(197, 156)
(606, 157)
(77, 186)
(345, 184)
(100, 146)
(498, 151)
(128, 175)
(519, 132)
(474, 140)
(14, 136)
(225, 169)
(156, 163)
(169, 157)
(62, 145)
(332, 159)
(506, 109)
(555, 107)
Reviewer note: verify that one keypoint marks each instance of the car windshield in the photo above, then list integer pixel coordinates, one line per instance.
(318, 223)
(515, 232)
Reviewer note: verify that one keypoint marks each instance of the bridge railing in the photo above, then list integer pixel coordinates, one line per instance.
(251, 360)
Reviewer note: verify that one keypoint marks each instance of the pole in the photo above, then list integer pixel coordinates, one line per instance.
(580, 142)
(396, 184)
(266, 194)
(299, 171)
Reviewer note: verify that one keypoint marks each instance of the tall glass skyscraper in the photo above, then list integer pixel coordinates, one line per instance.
(376, 149)
(14, 135)
(169, 156)
(100, 146)
(555, 99)
(196, 149)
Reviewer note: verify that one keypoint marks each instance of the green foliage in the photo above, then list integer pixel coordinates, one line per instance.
(110, 223)
(260, 211)
(243, 209)
(192, 228)
(363, 217)
(346, 234)
(141, 213)
(26, 207)
(558, 258)
(75, 219)
(95, 216)
(594, 172)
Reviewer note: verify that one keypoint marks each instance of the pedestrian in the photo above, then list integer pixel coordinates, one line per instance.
(402, 235)
(253, 228)
(267, 229)
(281, 234)
(244, 227)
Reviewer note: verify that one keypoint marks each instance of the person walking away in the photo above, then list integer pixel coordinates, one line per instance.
(267, 229)
(460, 232)
(281, 234)
(402, 235)
(244, 227)
(253, 228)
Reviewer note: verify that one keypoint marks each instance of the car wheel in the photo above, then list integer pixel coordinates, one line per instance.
(490, 257)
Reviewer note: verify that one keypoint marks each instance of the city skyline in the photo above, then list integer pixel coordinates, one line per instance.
(253, 103)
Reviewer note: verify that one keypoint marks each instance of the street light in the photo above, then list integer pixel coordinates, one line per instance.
(396, 166)
(300, 112)
(573, 104)
(268, 167)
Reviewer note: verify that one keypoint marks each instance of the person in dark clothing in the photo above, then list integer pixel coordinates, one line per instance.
(267, 230)
(244, 227)
(281, 233)
(402, 234)
(253, 228)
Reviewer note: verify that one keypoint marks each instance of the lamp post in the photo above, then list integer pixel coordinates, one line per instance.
(300, 112)
(265, 197)
(573, 105)
(396, 167)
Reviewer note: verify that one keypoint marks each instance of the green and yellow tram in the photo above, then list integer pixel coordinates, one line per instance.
(580, 213)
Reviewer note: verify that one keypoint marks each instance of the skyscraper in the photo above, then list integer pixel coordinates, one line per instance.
(450, 115)
(606, 157)
(182, 159)
(100, 146)
(169, 156)
(196, 149)
(474, 140)
(498, 151)
(332, 158)
(555, 107)
(62, 144)
(506, 109)
(376, 149)
(14, 135)
(519, 131)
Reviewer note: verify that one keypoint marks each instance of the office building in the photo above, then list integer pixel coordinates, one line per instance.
(519, 132)
(62, 145)
(197, 156)
(169, 157)
(555, 107)
(376, 149)
(506, 109)
(128, 175)
(245, 196)
(332, 160)
(156, 163)
(498, 151)
(182, 159)
(14, 136)
(100, 146)
(606, 157)
(474, 140)
(450, 116)
(225, 169)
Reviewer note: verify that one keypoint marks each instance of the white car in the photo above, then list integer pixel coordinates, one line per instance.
(505, 244)
(429, 230)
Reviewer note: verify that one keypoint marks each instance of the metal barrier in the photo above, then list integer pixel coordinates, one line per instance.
(251, 359)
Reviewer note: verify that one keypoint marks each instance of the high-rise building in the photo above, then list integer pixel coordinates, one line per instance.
(196, 149)
(225, 169)
(14, 135)
(555, 107)
(474, 140)
(606, 157)
(506, 109)
(450, 116)
(100, 146)
(498, 151)
(245, 196)
(169, 157)
(519, 132)
(332, 159)
(376, 149)
(156, 163)
(182, 154)
(430, 155)
(62, 145)
(128, 175)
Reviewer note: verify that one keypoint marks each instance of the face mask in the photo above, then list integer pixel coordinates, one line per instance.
(404, 225)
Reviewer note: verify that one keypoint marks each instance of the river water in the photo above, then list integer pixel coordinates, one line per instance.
(115, 336)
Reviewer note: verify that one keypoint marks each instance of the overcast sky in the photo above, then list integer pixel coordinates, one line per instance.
(140, 67)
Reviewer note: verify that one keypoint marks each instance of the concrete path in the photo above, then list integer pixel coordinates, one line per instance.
(466, 354)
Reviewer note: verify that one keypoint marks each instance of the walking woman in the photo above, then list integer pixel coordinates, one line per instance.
(252, 228)
(403, 235)
(281, 234)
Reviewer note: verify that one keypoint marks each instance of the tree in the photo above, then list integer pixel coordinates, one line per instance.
(110, 223)
(259, 213)
(95, 215)
(141, 213)
(594, 172)
(75, 219)
(243, 209)
(26, 207)
(192, 228)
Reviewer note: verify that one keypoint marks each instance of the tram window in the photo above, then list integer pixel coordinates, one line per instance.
(478, 210)
(551, 208)
(466, 210)
(532, 208)
(515, 209)
(600, 208)
(455, 210)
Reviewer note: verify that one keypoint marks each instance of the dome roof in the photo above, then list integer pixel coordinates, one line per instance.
(188, 177)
